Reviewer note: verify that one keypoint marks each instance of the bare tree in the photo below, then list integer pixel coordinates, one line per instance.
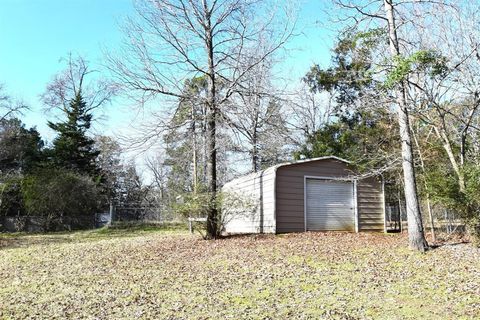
(307, 111)
(446, 90)
(172, 41)
(160, 174)
(109, 161)
(76, 78)
(9, 107)
(450, 102)
(256, 116)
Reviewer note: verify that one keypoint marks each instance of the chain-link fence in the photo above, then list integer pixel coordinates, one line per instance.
(444, 220)
(142, 213)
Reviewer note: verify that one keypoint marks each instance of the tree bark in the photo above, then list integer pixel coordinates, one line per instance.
(212, 219)
(451, 156)
(194, 150)
(254, 151)
(427, 194)
(414, 218)
(463, 141)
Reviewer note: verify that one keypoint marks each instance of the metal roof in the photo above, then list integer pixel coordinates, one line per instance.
(275, 167)
(310, 160)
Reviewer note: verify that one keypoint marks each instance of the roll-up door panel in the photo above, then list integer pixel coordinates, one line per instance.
(329, 205)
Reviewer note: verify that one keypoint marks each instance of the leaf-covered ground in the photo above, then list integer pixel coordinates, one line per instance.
(169, 274)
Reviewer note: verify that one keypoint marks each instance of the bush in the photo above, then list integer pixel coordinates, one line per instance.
(444, 189)
(56, 194)
(11, 199)
(191, 205)
(229, 206)
(471, 214)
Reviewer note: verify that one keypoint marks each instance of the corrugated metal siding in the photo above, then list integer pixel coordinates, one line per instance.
(370, 205)
(290, 190)
(330, 205)
(258, 188)
(283, 198)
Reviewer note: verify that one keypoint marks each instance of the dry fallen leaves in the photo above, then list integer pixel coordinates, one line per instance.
(180, 276)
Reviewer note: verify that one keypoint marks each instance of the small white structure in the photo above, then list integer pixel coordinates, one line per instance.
(320, 194)
(253, 198)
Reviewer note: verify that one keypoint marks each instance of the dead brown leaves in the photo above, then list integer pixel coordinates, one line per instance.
(178, 276)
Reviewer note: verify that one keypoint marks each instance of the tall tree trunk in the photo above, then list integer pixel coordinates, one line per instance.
(414, 218)
(204, 144)
(463, 141)
(254, 151)
(194, 151)
(427, 194)
(212, 216)
(451, 156)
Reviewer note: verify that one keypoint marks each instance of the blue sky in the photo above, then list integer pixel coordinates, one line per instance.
(35, 34)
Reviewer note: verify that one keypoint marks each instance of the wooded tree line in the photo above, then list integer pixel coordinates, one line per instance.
(420, 57)
(400, 97)
(68, 180)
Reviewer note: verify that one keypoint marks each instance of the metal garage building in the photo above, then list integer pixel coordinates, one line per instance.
(320, 194)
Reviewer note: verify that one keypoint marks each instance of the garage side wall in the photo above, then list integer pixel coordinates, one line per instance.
(370, 205)
(290, 212)
(249, 203)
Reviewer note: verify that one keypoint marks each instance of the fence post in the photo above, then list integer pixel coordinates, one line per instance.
(112, 212)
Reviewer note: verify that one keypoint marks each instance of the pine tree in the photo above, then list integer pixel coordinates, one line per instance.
(72, 148)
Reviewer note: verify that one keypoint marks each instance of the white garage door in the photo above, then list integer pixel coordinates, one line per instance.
(329, 205)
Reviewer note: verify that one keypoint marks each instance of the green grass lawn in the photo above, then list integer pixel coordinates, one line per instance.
(170, 274)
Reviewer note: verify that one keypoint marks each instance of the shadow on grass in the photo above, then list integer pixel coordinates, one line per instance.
(254, 236)
(448, 244)
(450, 240)
(21, 239)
